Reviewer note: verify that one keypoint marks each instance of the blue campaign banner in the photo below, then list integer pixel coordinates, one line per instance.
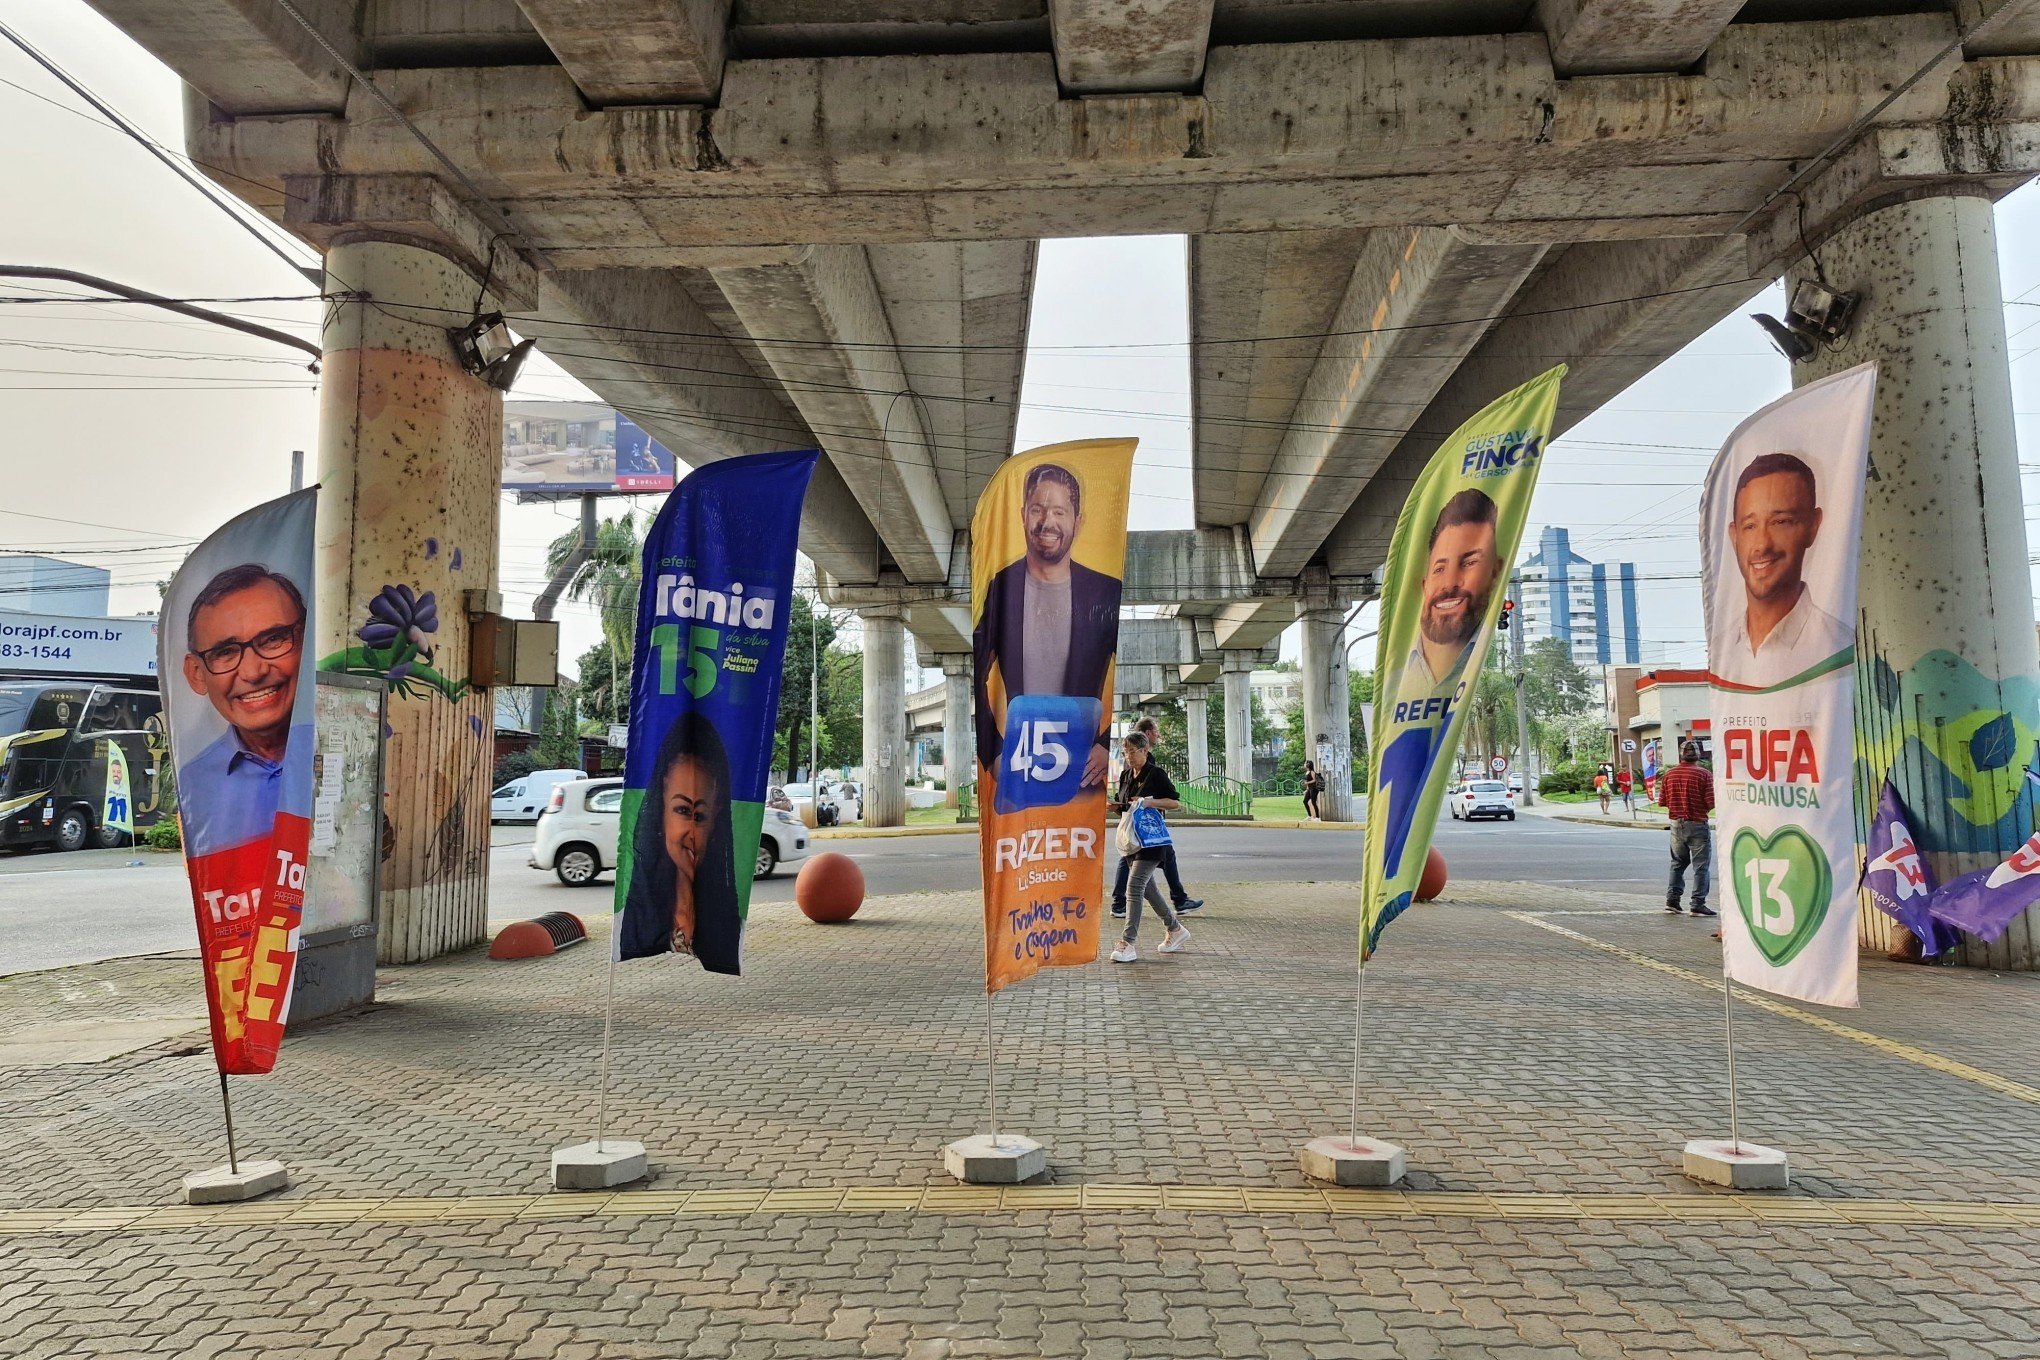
(713, 609)
(1041, 762)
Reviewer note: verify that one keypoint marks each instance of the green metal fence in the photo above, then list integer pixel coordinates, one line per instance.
(1216, 796)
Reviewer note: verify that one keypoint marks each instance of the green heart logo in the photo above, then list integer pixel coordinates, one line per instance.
(1782, 884)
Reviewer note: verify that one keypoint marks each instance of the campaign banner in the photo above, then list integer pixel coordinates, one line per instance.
(1448, 568)
(1781, 521)
(714, 605)
(1896, 876)
(117, 804)
(238, 700)
(1048, 552)
(1650, 770)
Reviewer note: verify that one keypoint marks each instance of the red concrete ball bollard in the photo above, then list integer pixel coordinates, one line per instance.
(830, 888)
(1433, 881)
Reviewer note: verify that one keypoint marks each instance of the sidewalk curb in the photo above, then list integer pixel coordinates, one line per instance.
(844, 833)
(1611, 821)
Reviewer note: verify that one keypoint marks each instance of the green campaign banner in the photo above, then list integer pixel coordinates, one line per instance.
(1448, 568)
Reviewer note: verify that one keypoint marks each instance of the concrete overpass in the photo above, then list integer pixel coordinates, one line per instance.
(767, 223)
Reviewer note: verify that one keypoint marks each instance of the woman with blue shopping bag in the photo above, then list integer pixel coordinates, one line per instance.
(1147, 792)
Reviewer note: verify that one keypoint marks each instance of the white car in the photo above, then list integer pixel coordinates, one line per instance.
(576, 836)
(840, 803)
(522, 800)
(1481, 798)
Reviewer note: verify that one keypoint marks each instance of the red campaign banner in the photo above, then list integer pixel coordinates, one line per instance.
(238, 697)
(249, 901)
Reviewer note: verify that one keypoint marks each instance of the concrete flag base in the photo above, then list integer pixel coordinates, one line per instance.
(229, 1185)
(1007, 1159)
(1744, 1166)
(1340, 1161)
(598, 1166)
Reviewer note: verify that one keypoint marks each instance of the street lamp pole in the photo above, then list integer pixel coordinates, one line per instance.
(1522, 712)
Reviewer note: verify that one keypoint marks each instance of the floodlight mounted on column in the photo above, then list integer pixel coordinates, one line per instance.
(1817, 316)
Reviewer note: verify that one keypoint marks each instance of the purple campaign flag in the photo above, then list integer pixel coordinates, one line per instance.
(1984, 902)
(1895, 874)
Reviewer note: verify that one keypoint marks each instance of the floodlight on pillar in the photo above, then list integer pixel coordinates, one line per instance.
(487, 350)
(1817, 316)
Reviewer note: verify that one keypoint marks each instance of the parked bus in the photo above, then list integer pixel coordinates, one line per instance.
(57, 739)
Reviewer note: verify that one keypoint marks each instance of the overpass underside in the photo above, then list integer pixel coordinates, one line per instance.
(771, 223)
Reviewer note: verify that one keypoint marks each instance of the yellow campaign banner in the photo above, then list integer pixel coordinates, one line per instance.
(1048, 553)
(1448, 570)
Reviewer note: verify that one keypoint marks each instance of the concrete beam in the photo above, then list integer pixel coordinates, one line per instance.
(1561, 316)
(980, 146)
(1259, 623)
(840, 366)
(1243, 387)
(939, 630)
(1375, 375)
(1111, 47)
(2018, 33)
(1607, 37)
(246, 56)
(410, 209)
(1886, 166)
(637, 51)
(964, 307)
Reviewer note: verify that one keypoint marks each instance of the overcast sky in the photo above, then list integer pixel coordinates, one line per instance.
(131, 434)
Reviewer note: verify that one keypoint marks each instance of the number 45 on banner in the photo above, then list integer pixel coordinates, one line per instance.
(1048, 738)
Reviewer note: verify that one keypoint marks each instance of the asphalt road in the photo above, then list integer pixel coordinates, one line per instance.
(57, 910)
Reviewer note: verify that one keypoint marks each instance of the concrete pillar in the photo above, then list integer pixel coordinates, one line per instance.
(959, 746)
(1236, 674)
(1949, 692)
(410, 467)
(885, 717)
(1196, 714)
(1327, 721)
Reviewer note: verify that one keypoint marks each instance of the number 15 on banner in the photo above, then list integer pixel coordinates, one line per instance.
(1048, 739)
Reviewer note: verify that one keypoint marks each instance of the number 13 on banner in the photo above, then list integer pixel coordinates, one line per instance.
(1048, 739)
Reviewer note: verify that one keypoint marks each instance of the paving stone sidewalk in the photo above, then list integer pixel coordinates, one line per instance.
(1508, 1058)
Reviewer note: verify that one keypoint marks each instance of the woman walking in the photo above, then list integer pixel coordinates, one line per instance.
(1313, 785)
(1145, 784)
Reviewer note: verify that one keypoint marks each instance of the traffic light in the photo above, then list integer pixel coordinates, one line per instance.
(1508, 611)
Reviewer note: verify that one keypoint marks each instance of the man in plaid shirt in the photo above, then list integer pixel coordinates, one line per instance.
(1688, 793)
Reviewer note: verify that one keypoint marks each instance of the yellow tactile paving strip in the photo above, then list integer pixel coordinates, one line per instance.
(1085, 1199)
(2017, 1090)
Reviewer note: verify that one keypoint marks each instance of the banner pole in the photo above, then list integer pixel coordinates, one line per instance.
(1359, 1008)
(1728, 1025)
(991, 1073)
(608, 1016)
(227, 1106)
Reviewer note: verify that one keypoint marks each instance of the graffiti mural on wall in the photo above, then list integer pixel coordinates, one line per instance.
(1955, 742)
(397, 645)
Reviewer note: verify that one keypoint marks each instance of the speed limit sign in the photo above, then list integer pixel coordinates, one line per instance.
(1499, 764)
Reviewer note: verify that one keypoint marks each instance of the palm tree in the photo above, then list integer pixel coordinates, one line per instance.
(608, 580)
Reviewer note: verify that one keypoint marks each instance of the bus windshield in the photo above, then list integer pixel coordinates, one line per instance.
(15, 703)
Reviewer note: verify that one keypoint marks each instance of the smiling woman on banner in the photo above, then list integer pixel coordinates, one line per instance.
(683, 891)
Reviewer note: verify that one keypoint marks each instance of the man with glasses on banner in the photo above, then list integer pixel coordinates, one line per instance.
(246, 639)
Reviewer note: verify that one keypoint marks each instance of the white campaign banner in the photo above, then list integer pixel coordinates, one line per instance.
(1780, 525)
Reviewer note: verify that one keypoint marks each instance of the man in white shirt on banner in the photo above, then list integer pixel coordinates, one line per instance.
(1780, 632)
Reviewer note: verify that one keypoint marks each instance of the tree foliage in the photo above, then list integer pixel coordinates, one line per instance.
(608, 580)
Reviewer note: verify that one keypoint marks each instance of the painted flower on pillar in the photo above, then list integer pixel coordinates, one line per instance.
(397, 644)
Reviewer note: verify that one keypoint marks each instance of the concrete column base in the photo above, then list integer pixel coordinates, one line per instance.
(983, 1160)
(1337, 1161)
(591, 1166)
(1744, 1166)
(230, 1185)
